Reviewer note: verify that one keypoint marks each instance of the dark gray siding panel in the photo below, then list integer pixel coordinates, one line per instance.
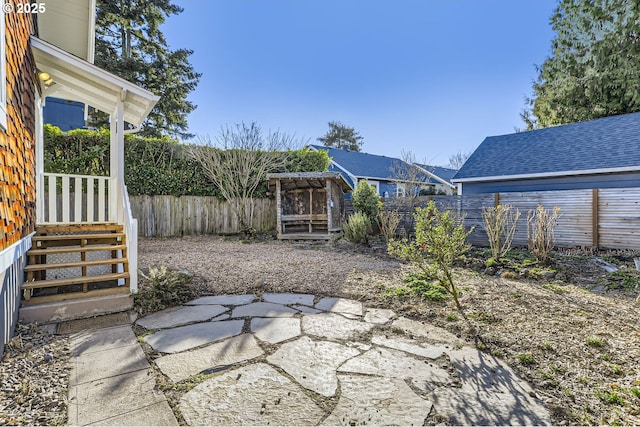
(579, 182)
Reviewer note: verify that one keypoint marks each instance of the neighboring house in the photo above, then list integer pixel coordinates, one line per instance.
(601, 153)
(66, 115)
(439, 177)
(53, 58)
(382, 172)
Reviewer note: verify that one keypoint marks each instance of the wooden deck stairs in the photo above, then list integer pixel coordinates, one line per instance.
(75, 271)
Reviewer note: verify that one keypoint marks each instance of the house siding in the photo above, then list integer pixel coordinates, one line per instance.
(575, 182)
(17, 167)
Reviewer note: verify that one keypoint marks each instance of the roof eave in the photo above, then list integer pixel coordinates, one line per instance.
(79, 80)
(548, 174)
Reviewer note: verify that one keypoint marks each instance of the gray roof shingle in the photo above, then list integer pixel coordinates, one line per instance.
(610, 142)
(363, 164)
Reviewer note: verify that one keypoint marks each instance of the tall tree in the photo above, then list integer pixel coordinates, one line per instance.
(341, 136)
(593, 69)
(129, 43)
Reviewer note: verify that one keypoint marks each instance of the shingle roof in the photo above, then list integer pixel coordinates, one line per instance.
(362, 164)
(610, 142)
(445, 173)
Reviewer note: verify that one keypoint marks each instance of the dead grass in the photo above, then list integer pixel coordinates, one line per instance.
(546, 331)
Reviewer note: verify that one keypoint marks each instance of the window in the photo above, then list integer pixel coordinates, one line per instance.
(400, 190)
(3, 73)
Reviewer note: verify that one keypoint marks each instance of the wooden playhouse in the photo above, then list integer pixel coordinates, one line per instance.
(310, 205)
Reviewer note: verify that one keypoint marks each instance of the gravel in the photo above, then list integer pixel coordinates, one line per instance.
(545, 331)
(34, 377)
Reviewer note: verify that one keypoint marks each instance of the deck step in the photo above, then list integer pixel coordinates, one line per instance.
(78, 228)
(40, 267)
(76, 249)
(96, 236)
(39, 284)
(81, 306)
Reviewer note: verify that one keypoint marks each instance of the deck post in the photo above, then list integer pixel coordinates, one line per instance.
(329, 192)
(278, 208)
(116, 172)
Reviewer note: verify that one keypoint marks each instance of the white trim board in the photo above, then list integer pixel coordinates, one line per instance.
(549, 174)
(14, 252)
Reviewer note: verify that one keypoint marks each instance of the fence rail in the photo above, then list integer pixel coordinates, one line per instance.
(164, 216)
(605, 218)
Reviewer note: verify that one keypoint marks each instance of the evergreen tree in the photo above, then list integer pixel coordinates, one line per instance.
(341, 136)
(593, 70)
(129, 43)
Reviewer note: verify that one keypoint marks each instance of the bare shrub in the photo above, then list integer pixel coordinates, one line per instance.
(541, 225)
(500, 224)
(388, 222)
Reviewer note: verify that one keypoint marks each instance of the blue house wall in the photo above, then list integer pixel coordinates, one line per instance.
(576, 182)
(64, 114)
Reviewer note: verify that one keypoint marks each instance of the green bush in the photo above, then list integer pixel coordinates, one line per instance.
(357, 228)
(441, 240)
(161, 289)
(153, 166)
(366, 200)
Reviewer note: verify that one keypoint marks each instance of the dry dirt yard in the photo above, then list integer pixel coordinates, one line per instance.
(578, 348)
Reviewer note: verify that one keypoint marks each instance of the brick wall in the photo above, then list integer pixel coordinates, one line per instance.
(17, 144)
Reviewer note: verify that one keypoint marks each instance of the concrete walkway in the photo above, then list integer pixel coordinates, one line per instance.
(294, 359)
(112, 383)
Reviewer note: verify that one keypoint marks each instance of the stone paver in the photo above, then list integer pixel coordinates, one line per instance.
(340, 305)
(224, 300)
(263, 309)
(275, 330)
(333, 326)
(430, 351)
(178, 316)
(379, 316)
(313, 363)
(377, 401)
(252, 395)
(186, 337)
(305, 309)
(233, 350)
(388, 370)
(429, 332)
(464, 407)
(395, 364)
(482, 371)
(288, 299)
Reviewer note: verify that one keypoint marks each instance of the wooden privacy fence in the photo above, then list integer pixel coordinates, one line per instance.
(163, 216)
(606, 218)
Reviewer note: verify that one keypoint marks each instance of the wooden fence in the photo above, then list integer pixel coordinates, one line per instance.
(163, 216)
(605, 218)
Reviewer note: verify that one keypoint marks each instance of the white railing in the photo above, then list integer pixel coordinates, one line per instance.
(131, 235)
(75, 199)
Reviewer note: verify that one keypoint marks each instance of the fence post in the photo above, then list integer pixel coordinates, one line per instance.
(496, 200)
(594, 219)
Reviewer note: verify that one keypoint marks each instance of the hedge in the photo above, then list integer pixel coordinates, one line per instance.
(152, 166)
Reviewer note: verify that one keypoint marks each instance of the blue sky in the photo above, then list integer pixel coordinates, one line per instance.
(429, 76)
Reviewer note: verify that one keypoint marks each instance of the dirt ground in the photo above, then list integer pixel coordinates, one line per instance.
(579, 348)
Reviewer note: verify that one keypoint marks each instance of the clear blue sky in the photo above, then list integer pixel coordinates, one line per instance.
(429, 76)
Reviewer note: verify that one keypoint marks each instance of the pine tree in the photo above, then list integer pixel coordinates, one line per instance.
(129, 43)
(593, 69)
(341, 136)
